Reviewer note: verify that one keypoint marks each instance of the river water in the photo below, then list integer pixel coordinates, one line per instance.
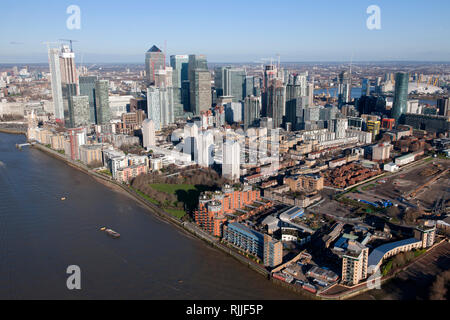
(40, 236)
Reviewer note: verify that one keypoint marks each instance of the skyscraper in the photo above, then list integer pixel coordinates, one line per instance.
(68, 69)
(401, 95)
(160, 106)
(231, 163)
(79, 113)
(365, 91)
(344, 88)
(102, 102)
(155, 60)
(200, 91)
(205, 156)
(276, 102)
(55, 72)
(87, 88)
(199, 84)
(231, 82)
(443, 106)
(148, 133)
(252, 109)
(180, 65)
(190, 140)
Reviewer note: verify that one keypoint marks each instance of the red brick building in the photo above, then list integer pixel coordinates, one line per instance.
(214, 206)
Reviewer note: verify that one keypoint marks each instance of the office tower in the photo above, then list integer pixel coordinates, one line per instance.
(443, 106)
(68, 69)
(55, 72)
(400, 96)
(160, 106)
(180, 65)
(233, 83)
(275, 99)
(252, 109)
(219, 81)
(103, 111)
(365, 90)
(205, 156)
(200, 91)
(87, 88)
(344, 88)
(233, 112)
(79, 113)
(355, 263)
(273, 252)
(294, 112)
(155, 60)
(148, 133)
(190, 139)
(231, 163)
(249, 86)
(199, 84)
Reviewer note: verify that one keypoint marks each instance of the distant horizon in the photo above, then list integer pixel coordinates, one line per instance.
(321, 31)
(251, 62)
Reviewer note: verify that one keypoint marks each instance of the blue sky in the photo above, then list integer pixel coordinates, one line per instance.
(229, 31)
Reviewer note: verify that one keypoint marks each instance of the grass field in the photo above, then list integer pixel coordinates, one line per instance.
(172, 188)
(176, 213)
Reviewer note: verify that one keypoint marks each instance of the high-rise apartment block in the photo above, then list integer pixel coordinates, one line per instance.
(79, 113)
(148, 133)
(231, 160)
(55, 72)
(102, 102)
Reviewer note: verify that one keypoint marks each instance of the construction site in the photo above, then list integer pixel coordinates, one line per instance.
(425, 187)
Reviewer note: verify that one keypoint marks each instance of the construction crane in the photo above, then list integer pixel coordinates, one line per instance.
(70, 41)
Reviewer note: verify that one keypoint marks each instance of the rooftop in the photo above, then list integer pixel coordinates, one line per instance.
(377, 255)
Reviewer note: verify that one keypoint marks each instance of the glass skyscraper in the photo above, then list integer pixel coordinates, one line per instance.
(87, 88)
(102, 102)
(401, 95)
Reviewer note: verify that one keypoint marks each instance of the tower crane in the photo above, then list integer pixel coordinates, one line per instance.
(70, 41)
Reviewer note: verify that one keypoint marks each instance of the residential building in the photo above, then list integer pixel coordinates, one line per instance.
(355, 263)
(231, 160)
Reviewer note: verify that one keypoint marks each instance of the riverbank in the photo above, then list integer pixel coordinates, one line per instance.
(188, 227)
(12, 131)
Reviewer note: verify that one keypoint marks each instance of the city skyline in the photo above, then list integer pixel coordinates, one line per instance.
(331, 32)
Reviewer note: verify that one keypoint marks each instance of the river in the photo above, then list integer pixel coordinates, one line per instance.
(40, 236)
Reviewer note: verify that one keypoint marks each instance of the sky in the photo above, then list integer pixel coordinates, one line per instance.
(228, 31)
